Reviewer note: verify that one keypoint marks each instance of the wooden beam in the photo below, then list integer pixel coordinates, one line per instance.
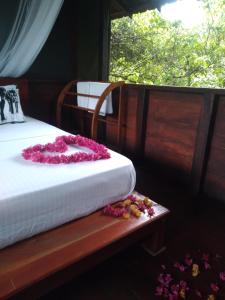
(203, 140)
(142, 120)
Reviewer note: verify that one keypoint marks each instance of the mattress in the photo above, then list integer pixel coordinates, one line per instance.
(36, 197)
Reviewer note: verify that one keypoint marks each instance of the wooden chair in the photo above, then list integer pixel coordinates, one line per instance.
(69, 90)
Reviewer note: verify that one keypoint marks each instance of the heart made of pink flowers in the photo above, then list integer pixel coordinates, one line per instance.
(37, 153)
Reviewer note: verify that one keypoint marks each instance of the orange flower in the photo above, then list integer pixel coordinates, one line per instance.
(182, 293)
(195, 270)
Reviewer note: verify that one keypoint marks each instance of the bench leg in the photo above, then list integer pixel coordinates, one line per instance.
(155, 244)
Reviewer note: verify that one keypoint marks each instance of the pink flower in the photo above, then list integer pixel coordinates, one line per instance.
(159, 291)
(205, 256)
(150, 211)
(175, 288)
(165, 279)
(114, 211)
(214, 287)
(179, 266)
(183, 285)
(207, 265)
(222, 276)
(165, 292)
(141, 206)
(172, 297)
(198, 293)
(132, 198)
(182, 268)
(36, 153)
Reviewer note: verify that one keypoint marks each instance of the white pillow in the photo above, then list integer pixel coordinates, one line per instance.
(10, 107)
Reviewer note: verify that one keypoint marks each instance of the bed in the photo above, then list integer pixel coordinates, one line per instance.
(45, 239)
(37, 197)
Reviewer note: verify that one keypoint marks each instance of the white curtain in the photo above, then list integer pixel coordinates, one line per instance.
(33, 23)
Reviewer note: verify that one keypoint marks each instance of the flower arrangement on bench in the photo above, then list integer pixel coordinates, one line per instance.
(133, 205)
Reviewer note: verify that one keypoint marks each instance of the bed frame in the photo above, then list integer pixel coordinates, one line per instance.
(35, 266)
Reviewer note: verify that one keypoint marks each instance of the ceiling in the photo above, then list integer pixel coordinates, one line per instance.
(121, 8)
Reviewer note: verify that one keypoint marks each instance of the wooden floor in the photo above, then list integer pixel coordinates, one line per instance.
(131, 275)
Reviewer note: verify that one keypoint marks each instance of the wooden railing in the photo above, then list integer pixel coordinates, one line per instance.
(174, 128)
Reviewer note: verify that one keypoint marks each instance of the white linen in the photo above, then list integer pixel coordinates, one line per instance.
(31, 128)
(32, 26)
(96, 89)
(36, 197)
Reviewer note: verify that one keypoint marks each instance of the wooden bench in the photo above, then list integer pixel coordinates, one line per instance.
(35, 266)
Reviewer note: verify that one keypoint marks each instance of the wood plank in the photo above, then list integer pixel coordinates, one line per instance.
(133, 94)
(80, 94)
(172, 124)
(37, 258)
(42, 97)
(79, 108)
(214, 185)
(142, 120)
(131, 97)
(203, 140)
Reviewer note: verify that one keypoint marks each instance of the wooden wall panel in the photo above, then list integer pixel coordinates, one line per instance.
(214, 185)
(172, 124)
(43, 96)
(131, 97)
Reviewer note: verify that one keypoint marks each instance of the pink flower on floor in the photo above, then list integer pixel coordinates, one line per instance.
(165, 279)
(172, 297)
(207, 265)
(183, 285)
(179, 266)
(198, 293)
(159, 291)
(175, 289)
(222, 276)
(214, 287)
(166, 293)
(182, 268)
(205, 256)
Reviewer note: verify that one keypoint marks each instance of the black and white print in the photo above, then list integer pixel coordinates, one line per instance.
(10, 108)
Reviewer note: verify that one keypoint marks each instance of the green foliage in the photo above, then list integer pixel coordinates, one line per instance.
(148, 49)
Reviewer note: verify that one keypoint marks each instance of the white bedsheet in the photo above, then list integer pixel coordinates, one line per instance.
(36, 197)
